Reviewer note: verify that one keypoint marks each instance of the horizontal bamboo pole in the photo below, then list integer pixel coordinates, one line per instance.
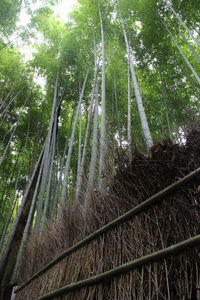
(131, 213)
(150, 258)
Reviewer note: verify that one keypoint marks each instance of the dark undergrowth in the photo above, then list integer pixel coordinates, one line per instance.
(173, 220)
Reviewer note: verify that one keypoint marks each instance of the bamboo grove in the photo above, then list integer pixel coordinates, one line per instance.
(119, 76)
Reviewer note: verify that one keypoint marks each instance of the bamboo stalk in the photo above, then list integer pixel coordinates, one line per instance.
(102, 155)
(186, 41)
(9, 256)
(183, 24)
(14, 199)
(14, 130)
(182, 54)
(131, 213)
(143, 118)
(71, 143)
(80, 174)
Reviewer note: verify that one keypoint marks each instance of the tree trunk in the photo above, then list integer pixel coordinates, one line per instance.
(13, 132)
(187, 43)
(47, 197)
(88, 130)
(10, 254)
(47, 159)
(129, 134)
(26, 231)
(79, 150)
(146, 131)
(102, 159)
(67, 166)
(57, 190)
(14, 195)
(183, 55)
(117, 114)
(93, 161)
(183, 24)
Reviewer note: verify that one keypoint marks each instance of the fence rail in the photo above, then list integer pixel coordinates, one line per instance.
(150, 258)
(128, 215)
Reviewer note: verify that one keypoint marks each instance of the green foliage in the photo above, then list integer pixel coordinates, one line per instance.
(9, 10)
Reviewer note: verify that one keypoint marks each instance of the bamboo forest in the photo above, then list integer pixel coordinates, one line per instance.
(100, 149)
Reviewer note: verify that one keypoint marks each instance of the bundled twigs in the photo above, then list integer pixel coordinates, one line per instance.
(162, 225)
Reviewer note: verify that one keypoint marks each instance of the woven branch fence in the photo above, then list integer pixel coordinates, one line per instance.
(149, 252)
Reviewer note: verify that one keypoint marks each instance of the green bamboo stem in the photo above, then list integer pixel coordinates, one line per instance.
(8, 258)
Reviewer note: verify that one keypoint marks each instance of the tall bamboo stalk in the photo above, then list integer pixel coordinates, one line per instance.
(26, 232)
(13, 132)
(145, 126)
(129, 133)
(67, 165)
(117, 113)
(48, 190)
(93, 161)
(102, 158)
(182, 23)
(14, 194)
(9, 256)
(58, 186)
(88, 131)
(187, 43)
(47, 157)
(182, 54)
